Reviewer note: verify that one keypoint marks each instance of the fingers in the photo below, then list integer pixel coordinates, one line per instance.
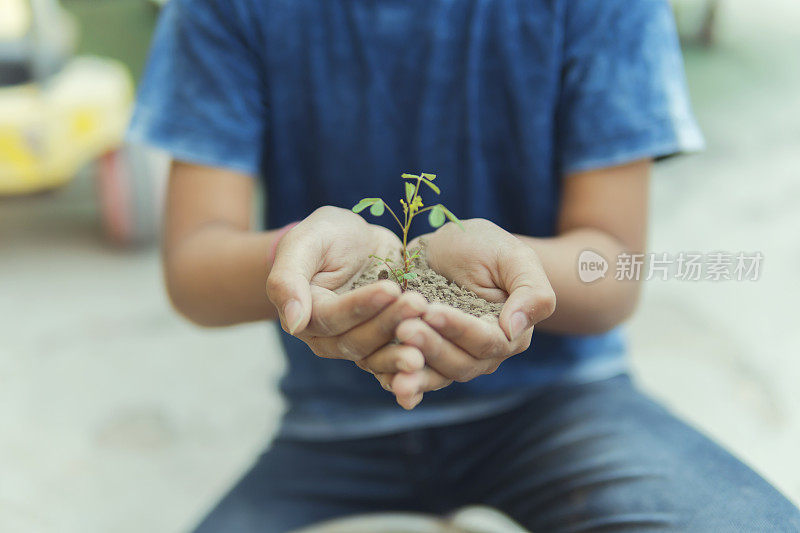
(385, 380)
(531, 298)
(374, 333)
(333, 314)
(407, 384)
(442, 355)
(408, 388)
(525, 307)
(479, 337)
(288, 284)
(393, 358)
(290, 292)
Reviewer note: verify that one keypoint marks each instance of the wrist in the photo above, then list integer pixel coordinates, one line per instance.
(278, 234)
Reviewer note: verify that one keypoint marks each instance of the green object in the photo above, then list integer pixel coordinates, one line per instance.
(436, 217)
(120, 29)
(412, 206)
(376, 209)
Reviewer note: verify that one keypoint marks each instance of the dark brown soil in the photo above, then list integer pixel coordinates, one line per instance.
(434, 287)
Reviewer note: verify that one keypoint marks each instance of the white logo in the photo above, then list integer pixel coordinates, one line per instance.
(591, 266)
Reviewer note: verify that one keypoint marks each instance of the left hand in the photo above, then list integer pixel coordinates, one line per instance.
(495, 265)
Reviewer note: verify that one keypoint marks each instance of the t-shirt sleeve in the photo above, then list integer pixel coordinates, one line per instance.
(623, 92)
(201, 96)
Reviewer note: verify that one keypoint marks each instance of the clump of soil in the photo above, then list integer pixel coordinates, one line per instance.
(433, 287)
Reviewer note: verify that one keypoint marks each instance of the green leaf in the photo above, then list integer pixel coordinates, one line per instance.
(409, 176)
(377, 209)
(429, 176)
(452, 217)
(431, 185)
(364, 203)
(409, 192)
(360, 206)
(436, 216)
(409, 275)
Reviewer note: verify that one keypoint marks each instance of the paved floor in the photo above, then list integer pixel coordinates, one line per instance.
(727, 355)
(115, 415)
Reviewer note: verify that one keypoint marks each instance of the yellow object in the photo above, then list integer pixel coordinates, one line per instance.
(16, 19)
(47, 133)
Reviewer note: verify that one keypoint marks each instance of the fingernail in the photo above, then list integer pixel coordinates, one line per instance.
(413, 361)
(382, 298)
(518, 323)
(415, 340)
(293, 314)
(406, 366)
(415, 400)
(417, 304)
(436, 320)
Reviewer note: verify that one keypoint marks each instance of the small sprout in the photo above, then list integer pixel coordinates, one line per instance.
(397, 273)
(412, 206)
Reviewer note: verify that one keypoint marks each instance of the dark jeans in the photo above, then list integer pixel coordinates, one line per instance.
(590, 457)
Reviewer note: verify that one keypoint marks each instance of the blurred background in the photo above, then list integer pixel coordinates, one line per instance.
(116, 415)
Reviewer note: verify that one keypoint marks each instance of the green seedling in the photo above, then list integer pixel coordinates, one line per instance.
(412, 206)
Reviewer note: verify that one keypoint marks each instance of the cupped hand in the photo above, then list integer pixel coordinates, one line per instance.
(315, 264)
(498, 267)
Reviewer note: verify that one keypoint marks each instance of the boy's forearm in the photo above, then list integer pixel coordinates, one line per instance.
(217, 275)
(584, 308)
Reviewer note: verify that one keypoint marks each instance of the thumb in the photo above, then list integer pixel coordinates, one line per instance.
(289, 280)
(530, 297)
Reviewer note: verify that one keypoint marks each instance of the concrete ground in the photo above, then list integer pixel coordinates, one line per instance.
(116, 415)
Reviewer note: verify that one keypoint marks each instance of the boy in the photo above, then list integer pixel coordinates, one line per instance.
(543, 116)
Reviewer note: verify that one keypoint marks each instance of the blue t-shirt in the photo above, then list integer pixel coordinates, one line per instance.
(328, 101)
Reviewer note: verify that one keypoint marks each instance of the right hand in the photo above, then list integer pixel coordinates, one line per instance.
(315, 264)
(497, 266)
